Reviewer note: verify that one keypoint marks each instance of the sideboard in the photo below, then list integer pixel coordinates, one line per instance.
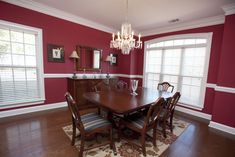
(77, 87)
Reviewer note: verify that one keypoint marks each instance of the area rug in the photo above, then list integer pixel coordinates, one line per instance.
(127, 150)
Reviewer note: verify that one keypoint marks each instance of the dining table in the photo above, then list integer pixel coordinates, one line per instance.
(122, 101)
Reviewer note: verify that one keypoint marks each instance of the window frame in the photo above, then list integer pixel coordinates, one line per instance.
(39, 60)
(207, 36)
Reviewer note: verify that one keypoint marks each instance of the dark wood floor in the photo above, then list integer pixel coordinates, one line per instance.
(40, 135)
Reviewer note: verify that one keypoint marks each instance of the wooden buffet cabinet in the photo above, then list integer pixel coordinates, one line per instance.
(77, 87)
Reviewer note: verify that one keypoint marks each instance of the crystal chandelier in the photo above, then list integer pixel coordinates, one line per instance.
(125, 40)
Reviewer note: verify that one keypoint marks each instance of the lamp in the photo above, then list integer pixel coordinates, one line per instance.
(74, 56)
(125, 41)
(108, 59)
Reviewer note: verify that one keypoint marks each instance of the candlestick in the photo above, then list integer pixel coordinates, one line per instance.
(139, 37)
(118, 35)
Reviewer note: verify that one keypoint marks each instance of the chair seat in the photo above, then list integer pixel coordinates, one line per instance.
(93, 121)
(137, 122)
(88, 125)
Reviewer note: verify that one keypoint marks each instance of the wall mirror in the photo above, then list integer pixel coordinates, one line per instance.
(90, 58)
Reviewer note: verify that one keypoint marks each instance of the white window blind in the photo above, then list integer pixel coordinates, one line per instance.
(183, 62)
(20, 65)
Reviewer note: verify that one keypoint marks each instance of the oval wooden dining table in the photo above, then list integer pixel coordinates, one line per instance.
(122, 102)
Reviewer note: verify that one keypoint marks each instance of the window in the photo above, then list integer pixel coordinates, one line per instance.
(183, 62)
(21, 67)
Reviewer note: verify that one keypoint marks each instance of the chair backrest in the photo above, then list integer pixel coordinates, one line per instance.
(121, 85)
(113, 82)
(101, 87)
(76, 118)
(154, 112)
(165, 86)
(171, 103)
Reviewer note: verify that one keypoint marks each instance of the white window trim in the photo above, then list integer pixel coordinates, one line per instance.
(208, 36)
(39, 58)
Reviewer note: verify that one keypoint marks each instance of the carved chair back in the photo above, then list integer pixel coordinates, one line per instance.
(121, 85)
(171, 103)
(76, 117)
(165, 86)
(101, 87)
(153, 113)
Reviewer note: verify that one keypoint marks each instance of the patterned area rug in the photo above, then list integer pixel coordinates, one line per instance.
(126, 150)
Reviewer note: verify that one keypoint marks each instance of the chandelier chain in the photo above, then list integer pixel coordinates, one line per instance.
(126, 11)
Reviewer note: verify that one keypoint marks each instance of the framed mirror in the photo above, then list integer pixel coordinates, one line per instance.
(89, 58)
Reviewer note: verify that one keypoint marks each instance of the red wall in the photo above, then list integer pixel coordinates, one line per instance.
(61, 32)
(124, 63)
(224, 108)
(224, 103)
(226, 76)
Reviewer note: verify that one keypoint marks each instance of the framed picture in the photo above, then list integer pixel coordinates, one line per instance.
(55, 53)
(113, 60)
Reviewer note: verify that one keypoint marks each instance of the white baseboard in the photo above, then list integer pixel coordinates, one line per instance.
(222, 127)
(194, 113)
(31, 109)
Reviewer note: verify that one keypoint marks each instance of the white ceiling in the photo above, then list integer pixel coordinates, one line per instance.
(144, 15)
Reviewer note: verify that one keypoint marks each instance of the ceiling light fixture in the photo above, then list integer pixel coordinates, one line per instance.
(125, 40)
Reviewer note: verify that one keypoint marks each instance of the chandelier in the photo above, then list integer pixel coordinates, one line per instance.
(125, 40)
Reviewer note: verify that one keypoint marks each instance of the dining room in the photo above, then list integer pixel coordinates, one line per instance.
(117, 78)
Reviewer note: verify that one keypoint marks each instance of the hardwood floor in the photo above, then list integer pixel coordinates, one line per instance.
(40, 135)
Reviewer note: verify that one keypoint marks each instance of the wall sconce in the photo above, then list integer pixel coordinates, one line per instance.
(74, 56)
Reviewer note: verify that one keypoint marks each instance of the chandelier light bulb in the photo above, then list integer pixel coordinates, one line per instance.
(125, 40)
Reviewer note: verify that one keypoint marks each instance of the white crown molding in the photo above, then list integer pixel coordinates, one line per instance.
(229, 9)
(25, 110)
(222, 127)
(186, 25)
(29, 4)
(193, 113)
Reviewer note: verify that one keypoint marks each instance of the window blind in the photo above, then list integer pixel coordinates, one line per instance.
(20, 77)
(183, 62)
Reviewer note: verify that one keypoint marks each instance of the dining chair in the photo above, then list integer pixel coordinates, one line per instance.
(101, 86)
(168, 113)
(165, 86)
(89, 124)
(121, 85)
(143, 124)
